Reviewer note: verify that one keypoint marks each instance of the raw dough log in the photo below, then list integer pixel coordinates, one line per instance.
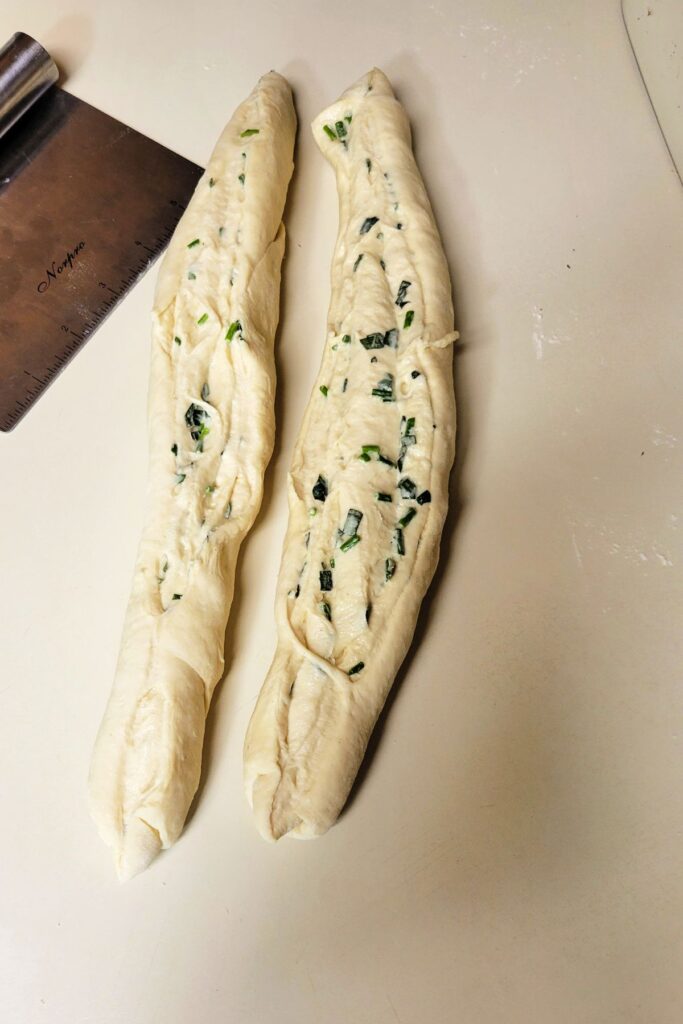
(211, 426)
(368, 487)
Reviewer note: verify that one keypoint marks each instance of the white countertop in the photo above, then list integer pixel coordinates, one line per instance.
(515, 850)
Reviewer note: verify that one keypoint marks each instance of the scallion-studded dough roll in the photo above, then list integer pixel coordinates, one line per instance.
(368, 487)
(211, 427)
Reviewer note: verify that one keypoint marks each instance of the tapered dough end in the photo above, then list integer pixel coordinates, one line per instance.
(138, 847)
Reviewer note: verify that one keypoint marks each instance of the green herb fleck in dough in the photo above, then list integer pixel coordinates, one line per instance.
(372, 449)
(385, 388)
(424, 498)
(323, 390)
(341, 129)
(178, 340)
(415, 374)
(352, 522)
(368, 164)
(210, 488)
(180, 477)
(346, 339)
(383, 496)
(389, 568)
(312, 512)
(358, 259)
(228, 510)
(203, 318)
(191, 245)
(320, 489)
(212, 182)
(240, 178)
(368, 612)
(248, 132)
(348, 117)
(399, 227)
(409, 317)
(345, 384)
(351, 542)
(326, 579)
(326, 610)
(332, 563)
(329, 132)
(364, 457)
(232, 330)
(191, 276)
(387, 461)
(407, 487)
(196, 418)
(174, 449)
(372, 341)
(357, 668)
(399, 543)
(391, 338)
(367, 224)
(401, 299)
(176, 597)
(408, 517)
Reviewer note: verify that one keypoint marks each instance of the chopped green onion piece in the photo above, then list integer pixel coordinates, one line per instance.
(191, 276)
(389, 568)
(347, 118)
(372, 341)
(180, 477)
(195, 418)
(312, 512)
(409, 317)
(364, 457)
(203, 318)
(383, 496)
(178, 340)
(357, 668)
(191, 245)
(228, 510)
(341, 129)
(387, 461)
(407, 487)
(176, 597)
(408, 517)
(368, 164)
(401, 299)
(174, 449)
(357, 261)
(332, 563)
(391, 338)
(424, 498)
(373, 448)
(212, 182)
(344, 385)
(241, 179)
(326, 610)
(399, 543)
(326, 579)
(416, 373)
(210, 488)
(352, 522)
(346, 339)
(367, 224)
(232, 329)
(385, 388)
(351, 542)
(323, 390)
(320, 489)
(329, 132)
(248, 132)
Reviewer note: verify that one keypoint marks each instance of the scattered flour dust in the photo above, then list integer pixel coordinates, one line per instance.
(620, 540)
(539, 335)
(661, 438)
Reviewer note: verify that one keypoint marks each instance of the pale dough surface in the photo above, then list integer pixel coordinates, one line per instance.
(368, 486)
(211, 427)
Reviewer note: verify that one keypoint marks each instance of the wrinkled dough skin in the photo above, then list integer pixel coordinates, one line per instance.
(211, 428)
(377, 441)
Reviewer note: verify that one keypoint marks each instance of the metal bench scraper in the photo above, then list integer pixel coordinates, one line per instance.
(86, 205)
